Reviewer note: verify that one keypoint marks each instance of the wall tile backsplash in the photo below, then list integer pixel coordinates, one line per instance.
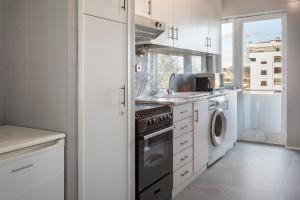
(144, 80)
(156, 68)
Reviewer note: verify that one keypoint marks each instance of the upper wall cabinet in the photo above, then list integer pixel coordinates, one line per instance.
(163, 11)
(115, 10)
(214, 13)
(143, 8)
(191, 24)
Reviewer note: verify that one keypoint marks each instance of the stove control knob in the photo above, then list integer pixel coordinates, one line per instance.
(153, 121)
(148, 122)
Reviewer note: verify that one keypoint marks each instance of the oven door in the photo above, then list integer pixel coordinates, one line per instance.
(155, 157)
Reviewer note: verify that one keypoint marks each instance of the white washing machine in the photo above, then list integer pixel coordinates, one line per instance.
(218, 126)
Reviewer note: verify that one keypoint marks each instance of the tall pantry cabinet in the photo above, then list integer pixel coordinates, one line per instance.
(103, 114)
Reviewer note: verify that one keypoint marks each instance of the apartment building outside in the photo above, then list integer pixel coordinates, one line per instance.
(265, 61)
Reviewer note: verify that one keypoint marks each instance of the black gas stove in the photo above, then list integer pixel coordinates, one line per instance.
(154, 152)
(149, 117)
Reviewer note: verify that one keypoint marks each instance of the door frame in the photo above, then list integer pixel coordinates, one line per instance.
(238, 22)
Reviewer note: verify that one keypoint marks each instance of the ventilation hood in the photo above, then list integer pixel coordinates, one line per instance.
(147, 29)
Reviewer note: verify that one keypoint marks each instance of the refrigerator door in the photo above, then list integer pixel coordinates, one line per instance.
(35, 173)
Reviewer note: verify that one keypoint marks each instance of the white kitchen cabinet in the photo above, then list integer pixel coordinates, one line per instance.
(190, 25)
(214, 14)
(102, 110)
(183, 26)
(182, 112)
(115, 10)
(201, 133)
(163, 11)
(231, 115)
(143, 8)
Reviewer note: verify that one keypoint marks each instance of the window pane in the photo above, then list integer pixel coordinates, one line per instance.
(196, 64)
(264, 72)
(166, 65)
(262, 55)
(227, 53)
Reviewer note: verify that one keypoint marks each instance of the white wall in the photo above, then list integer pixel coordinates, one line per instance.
(293, 75)
(245, 7)
(41, 71)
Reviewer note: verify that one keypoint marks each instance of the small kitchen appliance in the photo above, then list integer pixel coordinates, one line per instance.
(208, 81)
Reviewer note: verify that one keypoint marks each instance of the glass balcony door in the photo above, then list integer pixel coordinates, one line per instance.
(261, 77)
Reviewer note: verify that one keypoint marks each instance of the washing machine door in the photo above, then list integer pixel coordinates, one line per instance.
(218, 127)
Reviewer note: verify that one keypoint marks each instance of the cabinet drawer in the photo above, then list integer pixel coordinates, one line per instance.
(182, 112)
(183, 173)
(182, 142)
(182, 127)
(182, 158)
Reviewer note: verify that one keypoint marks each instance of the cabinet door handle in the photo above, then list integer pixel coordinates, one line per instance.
(171, 30)
(210, 42)
(206, 41)
(226, 105)
(177, 36)
(197, 116)
(150, 7)
(124, 95)
(124, 5)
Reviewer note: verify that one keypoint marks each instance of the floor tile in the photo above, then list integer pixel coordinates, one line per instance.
(249, 172)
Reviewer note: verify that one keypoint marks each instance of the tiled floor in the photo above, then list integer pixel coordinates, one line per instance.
(249, 172)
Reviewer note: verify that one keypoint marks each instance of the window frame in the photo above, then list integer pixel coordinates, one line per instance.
(238, 40)
(233, 21)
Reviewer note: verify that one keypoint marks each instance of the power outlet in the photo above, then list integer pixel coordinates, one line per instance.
(138, 68)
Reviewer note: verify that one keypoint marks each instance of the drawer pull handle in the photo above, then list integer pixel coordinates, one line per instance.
(183, 127)
(182, 112)
(183, 143)
(185, 173)
(157, 191)
(184, 158)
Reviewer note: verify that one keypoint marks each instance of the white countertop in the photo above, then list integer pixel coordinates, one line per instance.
(13, 138)
(178, 101)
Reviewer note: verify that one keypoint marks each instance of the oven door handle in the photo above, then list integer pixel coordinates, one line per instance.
(146, 137)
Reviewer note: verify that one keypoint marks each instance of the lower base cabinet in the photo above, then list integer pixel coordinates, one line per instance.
(191, 139)
(183, 173)
(201, 134)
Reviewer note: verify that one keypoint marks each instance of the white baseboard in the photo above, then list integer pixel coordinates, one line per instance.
(293, 148)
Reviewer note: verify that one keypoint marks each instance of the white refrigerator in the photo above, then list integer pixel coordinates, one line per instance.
(31, 165)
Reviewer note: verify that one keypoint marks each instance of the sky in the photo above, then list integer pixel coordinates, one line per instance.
(257, 31)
